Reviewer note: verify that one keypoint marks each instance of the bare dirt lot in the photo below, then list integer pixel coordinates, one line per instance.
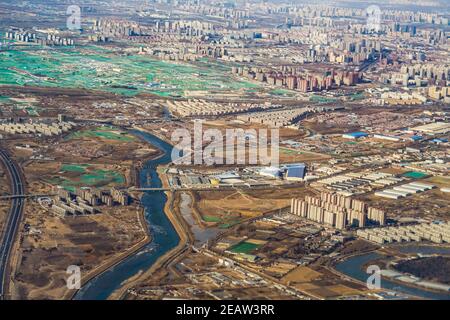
(50, 243)
(432, 203)
(226, 208)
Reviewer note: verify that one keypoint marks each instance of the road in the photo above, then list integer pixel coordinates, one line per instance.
(13, 221)
(23, 196)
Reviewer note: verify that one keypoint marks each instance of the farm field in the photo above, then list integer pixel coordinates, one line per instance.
(104, 133)
(99, 68)
(84, 175)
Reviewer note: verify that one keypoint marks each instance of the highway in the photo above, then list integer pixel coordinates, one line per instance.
(13, 221)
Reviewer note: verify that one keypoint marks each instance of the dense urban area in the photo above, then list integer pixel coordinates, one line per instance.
(348, 103)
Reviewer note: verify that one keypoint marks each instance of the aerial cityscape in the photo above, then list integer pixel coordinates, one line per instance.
(224, 150)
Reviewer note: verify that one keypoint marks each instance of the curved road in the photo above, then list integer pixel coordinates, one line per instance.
(13, 221)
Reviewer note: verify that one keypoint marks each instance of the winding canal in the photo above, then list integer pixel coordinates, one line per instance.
(164, 236)
(353, 267)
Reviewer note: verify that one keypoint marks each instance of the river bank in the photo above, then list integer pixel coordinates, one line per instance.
(184, 235)
(110, 263)
(158, 221)
(354, 267)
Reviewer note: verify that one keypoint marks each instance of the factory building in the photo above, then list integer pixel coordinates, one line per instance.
(277, 118)
(271, 172)
(434, 232)
(405, 190)
(294, 171)
(355, 135)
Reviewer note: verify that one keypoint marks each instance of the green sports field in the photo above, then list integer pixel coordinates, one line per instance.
(225, 220)
(244, 247)
(415, 175)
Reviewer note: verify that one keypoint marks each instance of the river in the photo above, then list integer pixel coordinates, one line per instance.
(164, 236)
(353, 267)
(201, 235)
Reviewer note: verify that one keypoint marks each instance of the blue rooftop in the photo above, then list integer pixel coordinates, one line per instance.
(357, 134)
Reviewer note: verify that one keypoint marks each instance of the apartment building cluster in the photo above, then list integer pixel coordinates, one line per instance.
(303, 82)
(97, 197)
(440, 93)
(401, 98)
(48, 39)
(420, 75)
(434, 232)
(52, 129)
(21, 36)
(117, 28)
(72, 208)
(405, 16)
(193, 28)
(211, 51)
(200, 107)
(337, 211)
(85, 200)
(54, 40)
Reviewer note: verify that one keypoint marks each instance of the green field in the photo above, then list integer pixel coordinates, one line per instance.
(4, 99)
(415, 175)
(244, 247)
(224, 221)
(357, 96)
(18, 105)
(81, 168)
(282, 92)
(103, 132)
(211, 219)
(84, 175)
(102, 69)
(30, 110)
(320, 99)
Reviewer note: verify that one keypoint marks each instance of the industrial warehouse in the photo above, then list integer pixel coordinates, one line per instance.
(404, 190)
(198, 107)
(434, 232)
(284, 117)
